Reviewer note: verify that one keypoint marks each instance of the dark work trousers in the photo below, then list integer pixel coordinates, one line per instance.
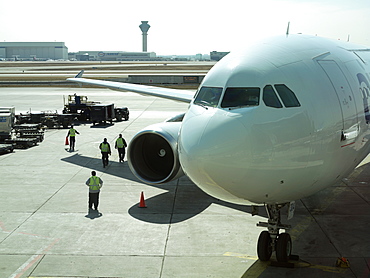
(104, 157)
(121, 154)
(93, 199)
(72, 140)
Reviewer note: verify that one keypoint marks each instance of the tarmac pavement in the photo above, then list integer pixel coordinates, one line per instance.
(46, 229)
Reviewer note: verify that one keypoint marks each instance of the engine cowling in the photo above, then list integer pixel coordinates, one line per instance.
(152, 153)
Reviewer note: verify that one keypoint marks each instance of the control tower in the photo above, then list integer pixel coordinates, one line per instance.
(144, 26)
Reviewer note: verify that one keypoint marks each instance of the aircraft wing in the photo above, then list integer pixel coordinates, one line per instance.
(174, 94)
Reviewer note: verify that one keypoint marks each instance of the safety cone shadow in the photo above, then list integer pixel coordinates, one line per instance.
(142, 201)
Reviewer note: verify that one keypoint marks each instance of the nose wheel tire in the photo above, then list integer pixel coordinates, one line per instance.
(264, 246)
(283, 247)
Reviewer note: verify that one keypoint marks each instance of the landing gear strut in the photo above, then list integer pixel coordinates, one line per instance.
(270, 241)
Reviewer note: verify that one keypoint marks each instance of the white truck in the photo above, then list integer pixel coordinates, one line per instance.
(7, 120)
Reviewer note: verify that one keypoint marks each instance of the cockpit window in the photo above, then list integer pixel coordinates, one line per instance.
(238, 97)
(287, 96)
(270, 98)
(208, 96)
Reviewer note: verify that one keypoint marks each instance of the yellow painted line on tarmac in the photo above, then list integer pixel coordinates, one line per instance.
(300, 227)
(306, 222)
(256, 269)
(259, 267)
(242, 256)
(326, 268)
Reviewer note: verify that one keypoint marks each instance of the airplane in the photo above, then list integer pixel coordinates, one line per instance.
(277, 121)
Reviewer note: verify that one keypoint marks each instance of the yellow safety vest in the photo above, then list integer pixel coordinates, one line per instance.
(120, 143)
(94, 183)
(72, 132)
(104, 148)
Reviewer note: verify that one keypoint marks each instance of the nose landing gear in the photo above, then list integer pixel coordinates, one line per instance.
(270, 241)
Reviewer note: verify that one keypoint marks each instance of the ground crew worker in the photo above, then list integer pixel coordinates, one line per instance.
(72, 138)
(120, 146)
(105, 151)
(94, 183)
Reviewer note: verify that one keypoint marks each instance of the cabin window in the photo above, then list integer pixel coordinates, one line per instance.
(208, 96)
(270, 98)
(287, 96)
(239, 97)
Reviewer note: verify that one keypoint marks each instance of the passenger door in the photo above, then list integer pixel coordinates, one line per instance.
(345, 97)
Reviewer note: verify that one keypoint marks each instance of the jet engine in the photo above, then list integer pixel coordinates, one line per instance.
(152, 153)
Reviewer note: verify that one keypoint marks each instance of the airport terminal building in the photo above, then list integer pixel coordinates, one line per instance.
(112, 56)
(33, 51)
(42, 51)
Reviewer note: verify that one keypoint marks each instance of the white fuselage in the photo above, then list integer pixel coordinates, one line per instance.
(259, 152)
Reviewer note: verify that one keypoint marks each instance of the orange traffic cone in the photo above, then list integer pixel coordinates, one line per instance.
(67, 143)
(142, 201)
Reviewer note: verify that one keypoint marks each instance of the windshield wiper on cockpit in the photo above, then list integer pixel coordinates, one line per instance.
(241, 106)
(203, 103)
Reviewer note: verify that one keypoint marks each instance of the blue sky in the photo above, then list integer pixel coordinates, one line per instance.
(179, 27)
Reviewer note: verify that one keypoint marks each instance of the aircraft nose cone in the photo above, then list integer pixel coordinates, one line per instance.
(213, 151)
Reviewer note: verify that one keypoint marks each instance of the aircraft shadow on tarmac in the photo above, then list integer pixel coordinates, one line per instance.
(179, 203)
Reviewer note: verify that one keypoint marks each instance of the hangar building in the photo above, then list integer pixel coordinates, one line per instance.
(33, 50)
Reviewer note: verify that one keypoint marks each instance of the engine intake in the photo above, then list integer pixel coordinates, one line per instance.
(152, 153)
